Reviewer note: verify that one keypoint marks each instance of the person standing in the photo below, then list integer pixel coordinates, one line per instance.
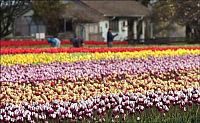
(110, 37)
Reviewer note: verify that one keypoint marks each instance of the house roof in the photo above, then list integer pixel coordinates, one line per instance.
(77, 11)
(96, 10)
(120, 8)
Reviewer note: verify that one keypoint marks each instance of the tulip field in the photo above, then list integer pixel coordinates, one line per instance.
(44, 43)
(130, 85)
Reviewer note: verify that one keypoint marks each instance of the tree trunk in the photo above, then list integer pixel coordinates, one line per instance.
(197, 34)
(192, 34)
(188, 33)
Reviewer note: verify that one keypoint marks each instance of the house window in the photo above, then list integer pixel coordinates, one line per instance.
(65, 26)
(114, 25)
(69, 26)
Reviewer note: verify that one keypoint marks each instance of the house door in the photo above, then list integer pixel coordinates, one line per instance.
(130, 29)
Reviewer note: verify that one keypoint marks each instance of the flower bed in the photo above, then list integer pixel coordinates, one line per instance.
(44, 42)
(96, 108)
(91, 50)
(35, 58)
(109, 85)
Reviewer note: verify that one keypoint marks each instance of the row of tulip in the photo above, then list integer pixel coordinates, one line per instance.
(88, 86)
(91, 50)
(68, 57)
(50, 90)
(97, 107)
(78, 80)
(99, 69)
(44, 42)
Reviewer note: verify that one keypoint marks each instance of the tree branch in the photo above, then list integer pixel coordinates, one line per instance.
(9, 10)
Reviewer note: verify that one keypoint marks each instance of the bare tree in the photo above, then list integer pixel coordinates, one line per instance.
(9, 10)
(49, 11)
(186, 13)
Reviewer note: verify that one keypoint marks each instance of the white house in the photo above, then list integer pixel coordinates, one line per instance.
(123, 17)
(91, 20)
(126, 18)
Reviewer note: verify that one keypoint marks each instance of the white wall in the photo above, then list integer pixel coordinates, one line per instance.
(103, 28)
(89, 28)
(123, 30)
(122, 33)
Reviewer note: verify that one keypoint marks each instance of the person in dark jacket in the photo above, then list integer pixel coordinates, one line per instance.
(77, 41)
(110, 37)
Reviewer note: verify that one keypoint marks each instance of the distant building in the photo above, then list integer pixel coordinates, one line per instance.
(24, 25)
(91, 20)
